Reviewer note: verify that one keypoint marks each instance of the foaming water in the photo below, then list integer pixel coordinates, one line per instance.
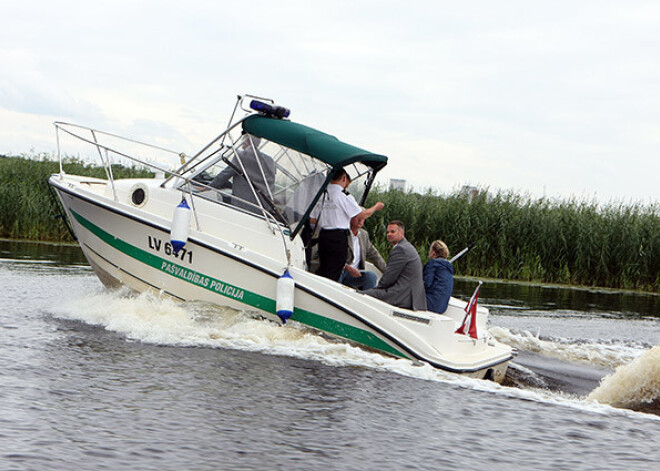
(161, 321)
(633, 386)
(602, 353)
(151, 319)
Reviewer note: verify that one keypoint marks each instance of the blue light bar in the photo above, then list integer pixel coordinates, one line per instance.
(273, 111)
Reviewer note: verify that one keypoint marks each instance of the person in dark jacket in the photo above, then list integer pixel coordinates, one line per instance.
(401, 285)
(438, 278)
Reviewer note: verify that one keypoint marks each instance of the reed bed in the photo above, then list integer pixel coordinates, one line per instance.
(27, 210)
(519, 238)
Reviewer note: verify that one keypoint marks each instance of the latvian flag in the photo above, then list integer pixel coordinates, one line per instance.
(469, 325)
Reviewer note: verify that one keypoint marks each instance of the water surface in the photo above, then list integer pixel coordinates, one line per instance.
(91, 379)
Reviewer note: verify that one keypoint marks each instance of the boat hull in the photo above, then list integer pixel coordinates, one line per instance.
(127, 246)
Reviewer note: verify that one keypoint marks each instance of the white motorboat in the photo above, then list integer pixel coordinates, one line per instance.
(230, 249)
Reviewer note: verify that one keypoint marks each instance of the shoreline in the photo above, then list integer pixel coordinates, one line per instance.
(44, 242)
(541, 284)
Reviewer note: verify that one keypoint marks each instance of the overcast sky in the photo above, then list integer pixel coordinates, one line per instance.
(556, 98)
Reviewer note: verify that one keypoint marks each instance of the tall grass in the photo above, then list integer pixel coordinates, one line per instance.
(520, 238)
(517, 237)
(27, 210)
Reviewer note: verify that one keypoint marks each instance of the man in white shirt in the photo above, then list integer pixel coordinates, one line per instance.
(334, 213)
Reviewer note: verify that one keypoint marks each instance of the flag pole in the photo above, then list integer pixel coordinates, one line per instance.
(461, 253)
(471, 312)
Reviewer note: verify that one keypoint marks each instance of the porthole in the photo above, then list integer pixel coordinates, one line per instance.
(138, 195)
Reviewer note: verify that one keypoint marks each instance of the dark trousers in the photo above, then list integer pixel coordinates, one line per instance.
(306, 237)
(333, 252)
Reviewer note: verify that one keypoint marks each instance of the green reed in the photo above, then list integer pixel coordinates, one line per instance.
(520, 238)
(27, 210)
(517, 237)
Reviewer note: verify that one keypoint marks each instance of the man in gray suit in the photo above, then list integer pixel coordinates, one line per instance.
(402, 284)
(258, 167)
(360, 250)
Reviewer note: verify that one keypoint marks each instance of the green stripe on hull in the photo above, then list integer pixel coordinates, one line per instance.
(234, 292)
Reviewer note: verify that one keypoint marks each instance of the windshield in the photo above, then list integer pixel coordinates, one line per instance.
(256, 176)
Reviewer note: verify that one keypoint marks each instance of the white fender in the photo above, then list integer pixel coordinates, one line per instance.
(285, 293)
(180, 226)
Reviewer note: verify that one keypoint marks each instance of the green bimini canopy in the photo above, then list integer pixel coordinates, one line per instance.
(309, 141)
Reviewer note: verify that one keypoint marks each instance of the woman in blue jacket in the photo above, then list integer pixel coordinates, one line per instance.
(438, 278)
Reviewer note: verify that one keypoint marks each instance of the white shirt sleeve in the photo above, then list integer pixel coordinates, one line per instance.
(352, 208)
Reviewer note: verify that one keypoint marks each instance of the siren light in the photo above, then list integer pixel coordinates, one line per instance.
(273, 111)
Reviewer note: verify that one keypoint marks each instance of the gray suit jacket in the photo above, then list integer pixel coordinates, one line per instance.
(402, 283)
(240, 186)
(367, 251)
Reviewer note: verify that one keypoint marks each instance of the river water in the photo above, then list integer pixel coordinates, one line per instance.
(92, 379)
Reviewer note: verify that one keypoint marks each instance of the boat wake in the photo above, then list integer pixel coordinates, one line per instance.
(633, 386)
(160, 321)
(601, 353)
(622, 374)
